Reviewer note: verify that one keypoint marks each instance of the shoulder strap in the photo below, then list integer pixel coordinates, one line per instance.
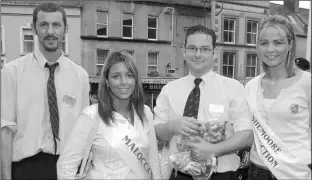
(94, 126)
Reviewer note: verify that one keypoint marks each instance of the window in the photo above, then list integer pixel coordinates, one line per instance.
(101, 57)
(252, 31)
(229, 30)
(28, 40)
(152, 28)
(65, 44)
(251, 65)
(2, 41)
(101, 23)
(3, 61)
(228, 64)
(152, 64)
(127, 26)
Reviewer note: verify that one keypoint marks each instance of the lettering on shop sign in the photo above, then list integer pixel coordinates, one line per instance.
(152, 87)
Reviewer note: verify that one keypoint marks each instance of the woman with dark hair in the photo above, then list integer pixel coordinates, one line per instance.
(280, 101)
(124, 145)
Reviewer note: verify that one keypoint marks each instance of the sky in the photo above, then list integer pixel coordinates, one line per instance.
(302, 4)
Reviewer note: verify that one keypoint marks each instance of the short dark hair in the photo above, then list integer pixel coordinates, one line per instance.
(302, 63)
(201, 29)
(49, 7)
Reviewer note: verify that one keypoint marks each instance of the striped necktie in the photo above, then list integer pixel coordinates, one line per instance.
(52, 100)
(192, 103)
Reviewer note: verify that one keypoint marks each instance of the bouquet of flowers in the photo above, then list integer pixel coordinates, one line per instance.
(213, 132)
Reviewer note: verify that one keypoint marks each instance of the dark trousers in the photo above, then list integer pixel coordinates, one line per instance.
(40, 166)
(257, 173)
(230, 175)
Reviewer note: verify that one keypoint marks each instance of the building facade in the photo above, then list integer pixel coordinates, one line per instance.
(152, 31)
(18, 39)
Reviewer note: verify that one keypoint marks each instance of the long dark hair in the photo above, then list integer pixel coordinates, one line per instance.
(105, 99)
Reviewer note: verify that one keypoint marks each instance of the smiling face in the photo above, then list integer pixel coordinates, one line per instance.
(120, 81)
(199, 61)
(50, 29)
(273, 46)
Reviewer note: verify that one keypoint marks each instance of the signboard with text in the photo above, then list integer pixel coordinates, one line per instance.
(152, 87)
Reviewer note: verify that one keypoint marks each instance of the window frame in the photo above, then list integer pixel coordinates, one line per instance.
(235, 29)
(97, 58)
(22, 28)
(2, 40)
(132, 19)
(257, 70)
(255, 21)
(157, 27)
(157, 64)
(96, 22)
(234, 63)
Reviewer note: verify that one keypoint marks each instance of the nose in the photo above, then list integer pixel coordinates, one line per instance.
(270, 47)
(50, 29)
(197, 53)
(123, 80)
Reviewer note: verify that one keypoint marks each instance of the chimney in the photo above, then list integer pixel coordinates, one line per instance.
(293, 5)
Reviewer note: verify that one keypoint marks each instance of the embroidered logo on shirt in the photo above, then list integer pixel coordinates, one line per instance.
(294, 108)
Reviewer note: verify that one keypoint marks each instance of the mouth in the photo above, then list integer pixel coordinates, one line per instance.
(124, 90)
(271, 56)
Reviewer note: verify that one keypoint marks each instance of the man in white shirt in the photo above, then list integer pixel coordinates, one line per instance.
(221, 99)
(42, 94)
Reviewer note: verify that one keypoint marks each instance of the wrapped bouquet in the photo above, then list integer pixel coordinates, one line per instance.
(213, 132)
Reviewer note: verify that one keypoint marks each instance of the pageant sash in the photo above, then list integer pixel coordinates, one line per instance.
(125, 139)
(273, 152)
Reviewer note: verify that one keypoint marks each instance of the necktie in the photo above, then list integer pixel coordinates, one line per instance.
(192, 103)
(52, 101)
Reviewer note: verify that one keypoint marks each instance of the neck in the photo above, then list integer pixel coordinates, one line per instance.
(51, 56)
(199, 74)
(121, 106)
(278, 72)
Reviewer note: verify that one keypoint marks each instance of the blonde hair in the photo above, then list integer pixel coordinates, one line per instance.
(282, 23)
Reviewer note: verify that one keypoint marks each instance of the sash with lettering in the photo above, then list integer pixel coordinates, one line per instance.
(273, 152)
(128, 143)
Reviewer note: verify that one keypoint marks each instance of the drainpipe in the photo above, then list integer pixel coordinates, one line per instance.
(172, 34)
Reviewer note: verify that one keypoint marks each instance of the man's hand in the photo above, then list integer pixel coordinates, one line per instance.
(184, 126)
(201, 150)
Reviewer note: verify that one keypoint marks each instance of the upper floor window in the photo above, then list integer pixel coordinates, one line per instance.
(229, 30)
(127, 26)
(101, 23)
(2, 41)
(27, 40)
(101, 57)
(252, 31)
(152, 64)
(152, 28)
(251, 65)
(228, 64)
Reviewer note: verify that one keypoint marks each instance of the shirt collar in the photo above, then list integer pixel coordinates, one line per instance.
(42, 60)
(207, 77)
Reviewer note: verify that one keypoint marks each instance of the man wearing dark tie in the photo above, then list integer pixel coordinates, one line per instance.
(42, 93)
(200, 97)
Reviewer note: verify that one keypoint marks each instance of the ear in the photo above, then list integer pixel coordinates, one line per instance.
(66, 29)
(184, 52)
(106, 81)
(290, 45)
(33, 28)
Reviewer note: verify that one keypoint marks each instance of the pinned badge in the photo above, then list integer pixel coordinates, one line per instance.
(294, 108)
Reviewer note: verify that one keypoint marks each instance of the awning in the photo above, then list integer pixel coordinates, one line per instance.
(144, 80)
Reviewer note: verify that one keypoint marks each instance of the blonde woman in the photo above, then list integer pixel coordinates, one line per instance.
(279, 100)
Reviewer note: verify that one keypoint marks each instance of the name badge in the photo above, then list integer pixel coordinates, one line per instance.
(216, 108)
(69, 100)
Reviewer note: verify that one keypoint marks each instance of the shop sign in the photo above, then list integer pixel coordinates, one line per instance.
(152, 87)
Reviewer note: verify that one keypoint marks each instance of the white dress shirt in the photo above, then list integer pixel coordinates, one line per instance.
(293, 128)
(107, 163)
(24, 102)
(221, 99)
